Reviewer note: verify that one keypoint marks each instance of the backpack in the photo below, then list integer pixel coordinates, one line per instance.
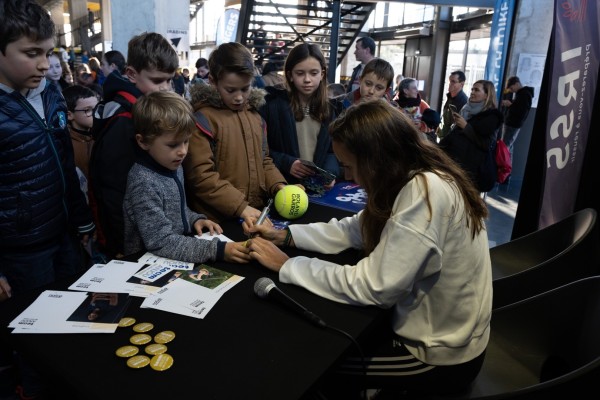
(503, 161)
(105, 112)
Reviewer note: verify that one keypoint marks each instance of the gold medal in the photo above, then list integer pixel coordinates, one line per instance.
(164, 337)
(141, 338)
(127, 351)
(161, 362)
(126, 321)
(155, 348)
(138, 361)
(143, 327)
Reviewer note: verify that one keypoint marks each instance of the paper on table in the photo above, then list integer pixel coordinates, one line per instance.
(195, 293)
(208, 236)
(49, 313)
(150, 258)
(108, 278)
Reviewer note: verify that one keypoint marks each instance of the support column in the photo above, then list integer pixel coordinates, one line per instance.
(170, 18)
(58, 17)
(439, 56)
(79, 22)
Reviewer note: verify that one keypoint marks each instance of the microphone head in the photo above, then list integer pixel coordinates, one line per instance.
(263, 286)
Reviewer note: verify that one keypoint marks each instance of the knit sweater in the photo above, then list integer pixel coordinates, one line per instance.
(157, 218)
(426, 267)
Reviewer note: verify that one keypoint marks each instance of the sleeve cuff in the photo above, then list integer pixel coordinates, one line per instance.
(220, 250)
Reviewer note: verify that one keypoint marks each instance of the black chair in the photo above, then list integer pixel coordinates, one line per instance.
(545, 259)
(542, 347)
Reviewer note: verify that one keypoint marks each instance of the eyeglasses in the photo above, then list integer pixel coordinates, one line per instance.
(88, 111)
(451, 81)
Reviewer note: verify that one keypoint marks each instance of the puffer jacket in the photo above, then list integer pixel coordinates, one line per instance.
(228, 167)
(40, 196)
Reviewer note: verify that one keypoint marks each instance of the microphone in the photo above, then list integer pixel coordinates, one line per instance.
(265, 288)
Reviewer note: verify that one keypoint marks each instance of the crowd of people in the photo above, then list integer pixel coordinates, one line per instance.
(144, 155)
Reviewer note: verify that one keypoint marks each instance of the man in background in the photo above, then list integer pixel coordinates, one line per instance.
(517, 110)
(456, 98)
(364, 52)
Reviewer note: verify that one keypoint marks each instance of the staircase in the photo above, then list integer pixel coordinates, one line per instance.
(270, 28)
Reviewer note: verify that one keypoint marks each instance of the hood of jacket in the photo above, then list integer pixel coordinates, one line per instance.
(116, 82)
(208, 95)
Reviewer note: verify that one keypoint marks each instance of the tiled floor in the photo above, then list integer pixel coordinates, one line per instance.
(502, 203)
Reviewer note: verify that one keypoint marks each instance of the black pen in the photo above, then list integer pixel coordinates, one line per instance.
(263, 215)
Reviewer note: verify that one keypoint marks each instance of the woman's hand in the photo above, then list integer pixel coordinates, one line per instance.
(277, 236)
(459, 120)
(211, 226)
(267, 253)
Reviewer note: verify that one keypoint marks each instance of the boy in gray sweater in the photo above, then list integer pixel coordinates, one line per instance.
(156, 216)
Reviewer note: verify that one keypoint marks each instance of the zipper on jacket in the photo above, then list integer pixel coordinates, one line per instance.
(27, 106)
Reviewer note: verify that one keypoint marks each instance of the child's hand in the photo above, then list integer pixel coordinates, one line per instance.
(250, 216)
(210, 226)
(300, 171)
(237, 252)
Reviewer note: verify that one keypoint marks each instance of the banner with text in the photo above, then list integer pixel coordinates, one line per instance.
(499, 36)
(574, 60)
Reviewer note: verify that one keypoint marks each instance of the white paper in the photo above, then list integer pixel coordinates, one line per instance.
(49, 314)
(108, 278)
(150, 258)
(191, 298)
(208, 236)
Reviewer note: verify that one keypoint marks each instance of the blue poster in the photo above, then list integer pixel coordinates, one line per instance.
(344, 195)
(499, 36)
(574, 55)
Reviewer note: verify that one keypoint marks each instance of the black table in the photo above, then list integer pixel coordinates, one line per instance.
(245, 348)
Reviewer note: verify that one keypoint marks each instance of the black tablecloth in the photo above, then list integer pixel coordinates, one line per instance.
(245, 348)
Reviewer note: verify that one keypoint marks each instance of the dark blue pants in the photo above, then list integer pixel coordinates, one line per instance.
(28, 270)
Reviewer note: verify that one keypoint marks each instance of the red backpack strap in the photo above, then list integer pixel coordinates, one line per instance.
(127, 96)
(203, 124)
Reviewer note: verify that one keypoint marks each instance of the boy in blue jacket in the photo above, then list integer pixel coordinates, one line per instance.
(41, 205)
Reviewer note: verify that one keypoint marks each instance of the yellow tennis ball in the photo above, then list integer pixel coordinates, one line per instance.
(291, 202)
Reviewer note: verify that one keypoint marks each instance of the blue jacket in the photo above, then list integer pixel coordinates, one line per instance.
(283, 138)
(40, 196)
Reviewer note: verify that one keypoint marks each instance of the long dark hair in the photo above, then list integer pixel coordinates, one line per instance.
(319, 102)
(391, 151)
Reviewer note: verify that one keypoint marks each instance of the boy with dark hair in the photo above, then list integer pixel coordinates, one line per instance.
(81, 102)
(375, 84)
(112, 60)
(151, 64)
(41, 206)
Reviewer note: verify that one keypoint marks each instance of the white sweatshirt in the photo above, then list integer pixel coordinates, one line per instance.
(427, 267)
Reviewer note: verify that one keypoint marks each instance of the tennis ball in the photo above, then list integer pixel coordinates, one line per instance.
(291, 202)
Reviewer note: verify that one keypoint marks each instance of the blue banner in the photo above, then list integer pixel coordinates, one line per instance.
(499, 36)
(574, 62)
(227, 26)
